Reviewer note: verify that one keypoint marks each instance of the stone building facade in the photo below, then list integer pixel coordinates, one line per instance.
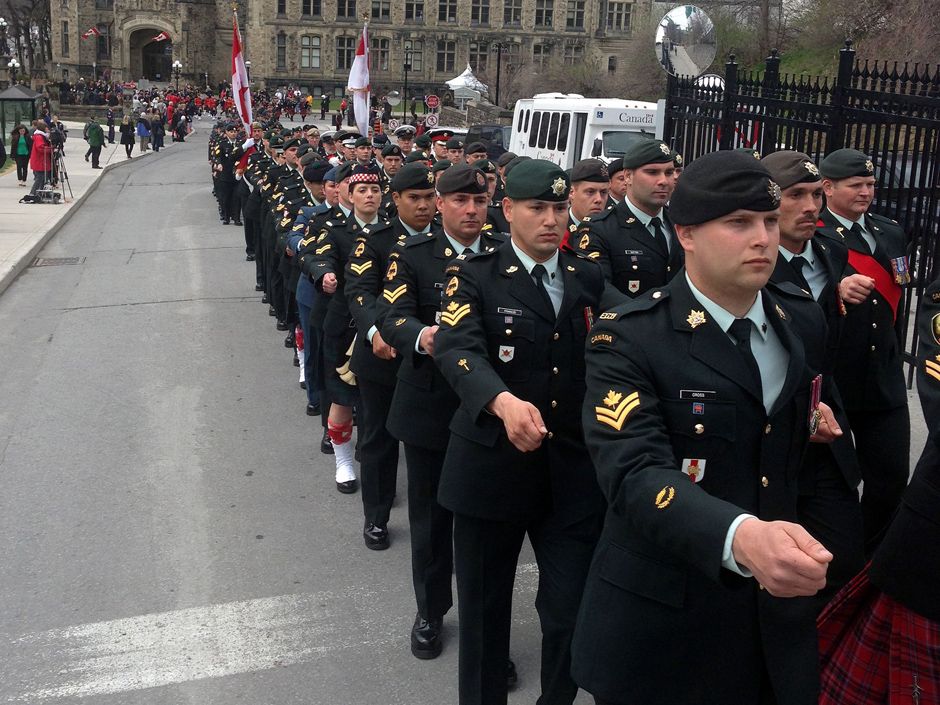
(311, 43)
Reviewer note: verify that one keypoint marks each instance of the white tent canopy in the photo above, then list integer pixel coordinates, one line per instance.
(467, 80)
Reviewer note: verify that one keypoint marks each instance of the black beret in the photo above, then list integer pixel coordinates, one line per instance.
(513, 163)
(416, 156)
(720, 183)
(412, 176)
(309, 156)
(646, 151)
(316, 171)
(505, 158)
(615, 166)
(461, 178)
(846, 163)
(303, 149)
(423, 142)
(391, 150)
(285, 132)
(441, 165)
(363, 142)
(344, 171)
(485, 165)
(539, 179)
(230, 126)
(788, 168)
(454, 143)
(293, 142)
(750, 151)
(475, 148)
(379, 140)
(590, 170)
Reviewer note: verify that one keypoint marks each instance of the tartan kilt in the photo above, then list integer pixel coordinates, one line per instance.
(873, 649)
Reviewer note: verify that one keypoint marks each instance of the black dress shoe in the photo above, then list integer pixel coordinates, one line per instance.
(314, 410)
(376, 537)
(259, 287)
(303, 385)
(511, 676)
(282, 325)
(289, 340)
(426, 637)
(348, 487)
(326, 445)
(225, 222)
(249, 258)
(238, 222)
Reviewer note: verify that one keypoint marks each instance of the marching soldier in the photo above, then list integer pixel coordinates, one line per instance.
(868, 370)
(424, 403)
(511, 344)
(699, 403)
(454, 148)
(405, 136)
(475, 151)
(225, 158)
(618, 182)
(634, 242)
(590, 186)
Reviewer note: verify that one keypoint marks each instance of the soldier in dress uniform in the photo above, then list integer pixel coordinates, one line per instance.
(362, 151)
(868, 370)
(699, 404)
(226, 158)
(392, 160)
(455, 150)
(634, 242)
(379, 141)
(815, 267)
(439, 139)
(511, 343)
(618, 182)
(474, 152)
(590, 186)
(495, 213)
(424, 403)
(405, 136)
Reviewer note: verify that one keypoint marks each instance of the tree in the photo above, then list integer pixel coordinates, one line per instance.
(29, 34)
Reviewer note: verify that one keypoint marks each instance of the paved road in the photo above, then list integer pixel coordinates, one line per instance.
(170, 532)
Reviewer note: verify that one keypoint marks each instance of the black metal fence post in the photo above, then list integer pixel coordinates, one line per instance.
(726, 126)
(836, 137)
(672, 89)
(770, 88)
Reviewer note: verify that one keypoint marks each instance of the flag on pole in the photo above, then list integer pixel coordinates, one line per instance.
(91, 32)
(241, 93)
(163, 36)
(359, 82)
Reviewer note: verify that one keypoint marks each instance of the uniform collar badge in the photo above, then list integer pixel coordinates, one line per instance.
(695, 318)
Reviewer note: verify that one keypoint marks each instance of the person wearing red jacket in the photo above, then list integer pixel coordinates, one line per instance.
(40, 160)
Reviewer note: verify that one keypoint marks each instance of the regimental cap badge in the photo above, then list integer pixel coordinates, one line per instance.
(811, 168)
(869, 166)
(678, 160)
(664, 148)
(430, 177)
(558, 186)
(773, 190)
(695, 318)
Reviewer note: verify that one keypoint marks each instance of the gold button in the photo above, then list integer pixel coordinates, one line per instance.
(668, 269)
(550, 435)
(874, 302)
(556, 336)
(509, 331)
(699, 429)
(766, 429)
(554, 403)
(760, 586)
(554, 370)
(764, 481)
(635, 267)
(874, 325)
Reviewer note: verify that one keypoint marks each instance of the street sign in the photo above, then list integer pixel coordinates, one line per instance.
(393, 124)
(431, 120)
(433, 102)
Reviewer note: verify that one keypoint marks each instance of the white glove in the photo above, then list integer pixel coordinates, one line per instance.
(250, 142)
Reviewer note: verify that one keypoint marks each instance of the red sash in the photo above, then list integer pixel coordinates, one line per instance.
(884, 282)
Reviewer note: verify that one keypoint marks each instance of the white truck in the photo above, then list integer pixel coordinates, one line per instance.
(566, 127)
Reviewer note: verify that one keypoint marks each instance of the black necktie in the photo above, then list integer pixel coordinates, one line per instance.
(467, 251)
(799, 262)
(538, 271)
(660, 236)
(857, 229)
(740, 330)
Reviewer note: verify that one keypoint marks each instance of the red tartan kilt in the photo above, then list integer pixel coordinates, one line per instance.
(874, 650)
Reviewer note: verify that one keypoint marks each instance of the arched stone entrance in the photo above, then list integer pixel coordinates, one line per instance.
(149, 59)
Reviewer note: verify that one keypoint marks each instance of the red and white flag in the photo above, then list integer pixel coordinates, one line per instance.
(359, 82)
(241, 93)
(162, 37)
(91, 32)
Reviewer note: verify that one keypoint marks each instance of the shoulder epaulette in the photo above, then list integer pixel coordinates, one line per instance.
(640, 303)
(413, 240)
(790, 289)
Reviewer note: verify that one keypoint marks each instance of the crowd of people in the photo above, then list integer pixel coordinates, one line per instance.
(672, 385)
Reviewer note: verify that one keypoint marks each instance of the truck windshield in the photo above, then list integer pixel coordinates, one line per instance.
(616, 143)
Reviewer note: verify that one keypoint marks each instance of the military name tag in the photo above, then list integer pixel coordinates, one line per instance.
(696, 394)
(509, 311)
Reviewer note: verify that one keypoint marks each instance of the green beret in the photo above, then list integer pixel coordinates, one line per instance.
(309, 156)
(268, 134)
(276, 143)
(344, 171)
(485, 165)
(846, 163)
(293, 142)
(461, 178)
(363, 142)
(303, 148)
(750, 151)
(416, 156)
(286, 132)
(423, 142)
(505, 158)
(441, 165)
(412, 176)
(615, 166)
(590, 170)
(539, 179)
(454, 143)
(513, 163)
(475, 148)
(316, 171)
(720, 183)
(788, 168)
(646, 151)
(391, 150)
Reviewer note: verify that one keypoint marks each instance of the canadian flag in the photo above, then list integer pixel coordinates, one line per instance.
(359, 82)
(163, 36)
(91, 32)
(240, 90)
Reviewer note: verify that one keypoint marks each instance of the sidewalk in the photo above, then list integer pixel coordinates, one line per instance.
(25, 228)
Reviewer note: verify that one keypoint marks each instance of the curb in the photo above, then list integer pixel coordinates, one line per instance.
(23, 262)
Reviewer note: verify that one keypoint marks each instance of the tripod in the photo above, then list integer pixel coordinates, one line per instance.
(61, 173)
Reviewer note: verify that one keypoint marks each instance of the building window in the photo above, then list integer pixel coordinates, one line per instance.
(512, 12)
(575, 16)
(282, 7)
(414, 10)
(542, 54)
(379, 54)
(544, 13)
(611, 64)
(311, 8)
(480, 12)
(416, 47)
(104, 4)
(479, 53)
(65, 39)
(447, 11)
(446, 56)
(281, 51)
(382, 10)
(345, 51)
(309, 52)
(104, 43)
(345, 9)
(618, 16)
(574, 53)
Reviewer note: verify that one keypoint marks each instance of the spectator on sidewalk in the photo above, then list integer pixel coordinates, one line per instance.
(157, 130)
(127, 135)
(95, 136)
(40, 160)
(21, 144)
(110, 119)
(143, 132)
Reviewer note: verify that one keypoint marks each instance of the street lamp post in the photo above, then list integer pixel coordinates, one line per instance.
(248, 70)
(499, 66)
(13, 66)
(177, 67)
(94, 70)
(404, 98)
(206, 74)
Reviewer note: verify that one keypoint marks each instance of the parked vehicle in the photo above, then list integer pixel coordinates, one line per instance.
(495, 137)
